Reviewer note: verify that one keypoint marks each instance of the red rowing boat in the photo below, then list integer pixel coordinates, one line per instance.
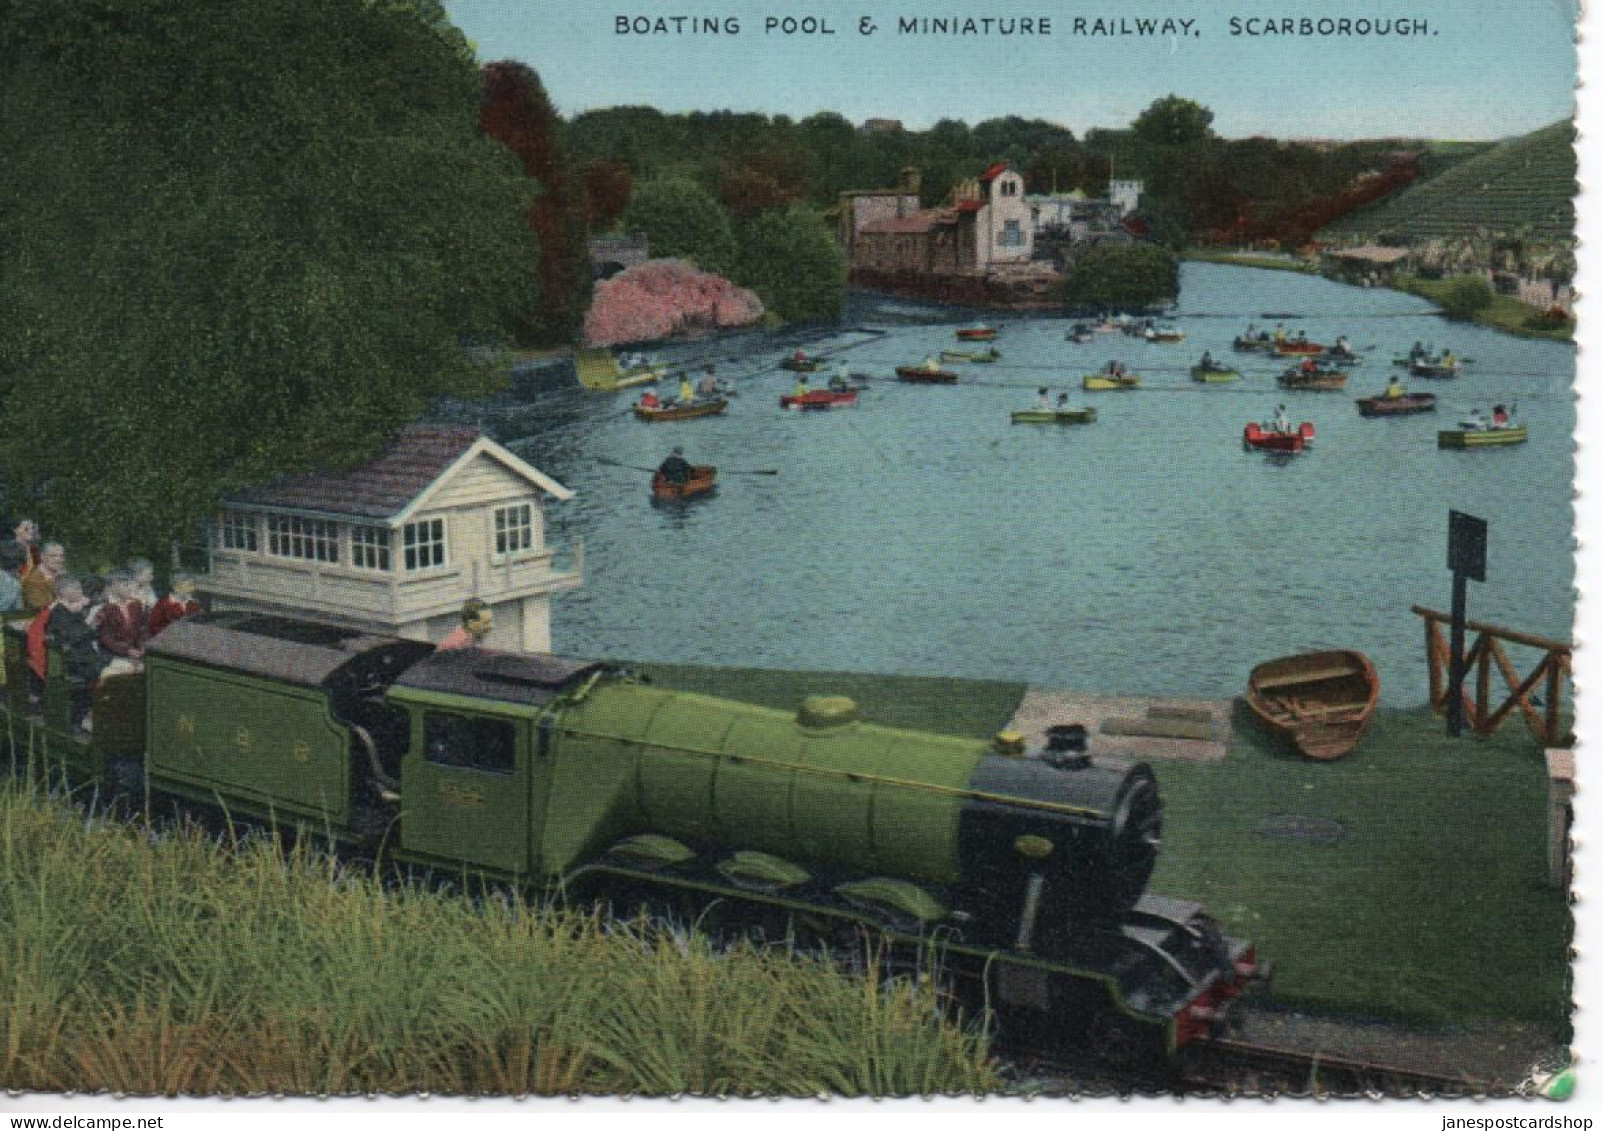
(1264, 440)
(977, 334)
(1298, 349)
(701, 482)
(820, 399)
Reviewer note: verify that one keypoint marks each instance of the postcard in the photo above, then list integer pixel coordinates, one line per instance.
(789, 550)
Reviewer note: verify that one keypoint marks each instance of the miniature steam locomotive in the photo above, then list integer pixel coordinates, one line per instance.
(1029, 867)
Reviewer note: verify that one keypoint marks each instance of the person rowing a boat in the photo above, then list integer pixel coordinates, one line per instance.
(1207, 364)
(1447, 361)
(1474, 422)
(1280, 334)
(1395, 391)
(1043, 400)
(650, 400)
(931, 365)
(1308, 366)
(675, 470)
(687, 391)
(842, 379)
(1419, 352)
(708, 385)
(801, 386)
(1500, 417)
(1281, 422)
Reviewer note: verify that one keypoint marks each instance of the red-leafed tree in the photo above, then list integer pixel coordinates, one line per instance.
(607, 185)
(516, 112)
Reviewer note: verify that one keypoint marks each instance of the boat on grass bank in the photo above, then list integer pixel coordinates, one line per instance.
(702, 481)
(1481, 437)
(1322, 701)
(1058, 416)
(1405, 405)
(678, 410)
(1255, 437)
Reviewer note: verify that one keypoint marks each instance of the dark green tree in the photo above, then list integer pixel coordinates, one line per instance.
(793, 261)
(1174, 121)
(1465, 297)
(1130, 275)
(682, 220)
(234, 247)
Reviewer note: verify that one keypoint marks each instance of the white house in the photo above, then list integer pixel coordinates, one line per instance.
(1126, 196)
(1005, 232)
(398, 544)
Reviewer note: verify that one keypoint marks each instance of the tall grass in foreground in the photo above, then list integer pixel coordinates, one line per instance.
(139, 962)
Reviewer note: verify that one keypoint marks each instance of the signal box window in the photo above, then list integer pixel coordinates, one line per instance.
(424, 543)
(370, 547)
(514, 528)
(469, 742)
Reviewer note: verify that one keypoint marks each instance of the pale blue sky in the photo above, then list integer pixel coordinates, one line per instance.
(1487, 69)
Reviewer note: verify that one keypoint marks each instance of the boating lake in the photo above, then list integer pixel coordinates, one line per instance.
(921, 532)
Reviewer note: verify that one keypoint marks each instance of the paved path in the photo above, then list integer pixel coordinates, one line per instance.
(1040, 709)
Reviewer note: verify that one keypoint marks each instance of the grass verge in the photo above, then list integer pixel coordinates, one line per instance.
(1506, 314)
(1245, 259)
(174, 963)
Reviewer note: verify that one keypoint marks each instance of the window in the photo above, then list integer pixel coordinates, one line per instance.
(370, 547)
(309, 539)
(423, 543)
(469, 742)
(237, 531)
(514, 528)
(1012, 235)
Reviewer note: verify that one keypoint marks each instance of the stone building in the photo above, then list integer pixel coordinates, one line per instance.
(398, 544)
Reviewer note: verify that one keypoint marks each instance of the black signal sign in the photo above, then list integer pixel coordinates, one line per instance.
(1466, 545)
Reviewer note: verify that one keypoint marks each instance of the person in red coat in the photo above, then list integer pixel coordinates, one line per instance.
(178, 604)
(122, 620)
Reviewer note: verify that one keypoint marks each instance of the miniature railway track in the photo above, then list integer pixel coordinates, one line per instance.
(1238, 1067)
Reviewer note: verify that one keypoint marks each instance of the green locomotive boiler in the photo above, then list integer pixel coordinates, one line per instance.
(1029, 867)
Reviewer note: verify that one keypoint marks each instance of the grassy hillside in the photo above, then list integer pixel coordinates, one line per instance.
(1523, 186)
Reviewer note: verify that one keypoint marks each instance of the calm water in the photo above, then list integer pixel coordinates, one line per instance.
(921, 532)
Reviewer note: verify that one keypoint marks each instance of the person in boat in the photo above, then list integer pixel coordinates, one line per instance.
(1280, 334)
(1395, 391)
(1308, 366)
(931, 364)
(841, 381)
(1418, 353)
(1063, 402)
(650, 400)
(1043, 400)
(708, 385)
(1342, 348)
(1207, 364)
(1281, 422)
(1447, 361)
(802, 388)
(1474, 422)
(1500, 417)
(687, 391)
(1302, 337)
(675, 469)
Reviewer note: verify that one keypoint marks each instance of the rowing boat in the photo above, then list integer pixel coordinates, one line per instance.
(1481, 437)
(701, 482)
(922, 376)
(1322, 701)
(819, 399)
(1213, 376)
(1256, 436)
(1059, 416)
(1264, 344)
(977, 334)
(1404, 405)
(1298, 349)
(1105, 382)
(1320, 380)
(970, 355)
(678, 411)
(1164, 337)
(802, 364)
(1436, 370)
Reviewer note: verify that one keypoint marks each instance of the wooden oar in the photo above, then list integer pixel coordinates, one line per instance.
(653, 471)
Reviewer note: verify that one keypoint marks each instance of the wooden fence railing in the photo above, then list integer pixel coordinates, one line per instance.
(1550, 674)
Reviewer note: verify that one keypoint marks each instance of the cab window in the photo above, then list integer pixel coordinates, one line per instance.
(470, 742)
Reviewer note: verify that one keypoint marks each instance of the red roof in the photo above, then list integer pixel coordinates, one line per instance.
(377, 489)
(970, 205)
(993, 172)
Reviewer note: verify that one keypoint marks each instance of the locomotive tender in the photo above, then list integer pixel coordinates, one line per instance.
(1029, 867)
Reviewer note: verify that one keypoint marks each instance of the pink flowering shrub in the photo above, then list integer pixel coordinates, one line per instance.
(664, 298)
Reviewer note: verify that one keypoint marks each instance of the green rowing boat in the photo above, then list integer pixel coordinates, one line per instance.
(1213, 376)
(1062, 416)
(1481, 437)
